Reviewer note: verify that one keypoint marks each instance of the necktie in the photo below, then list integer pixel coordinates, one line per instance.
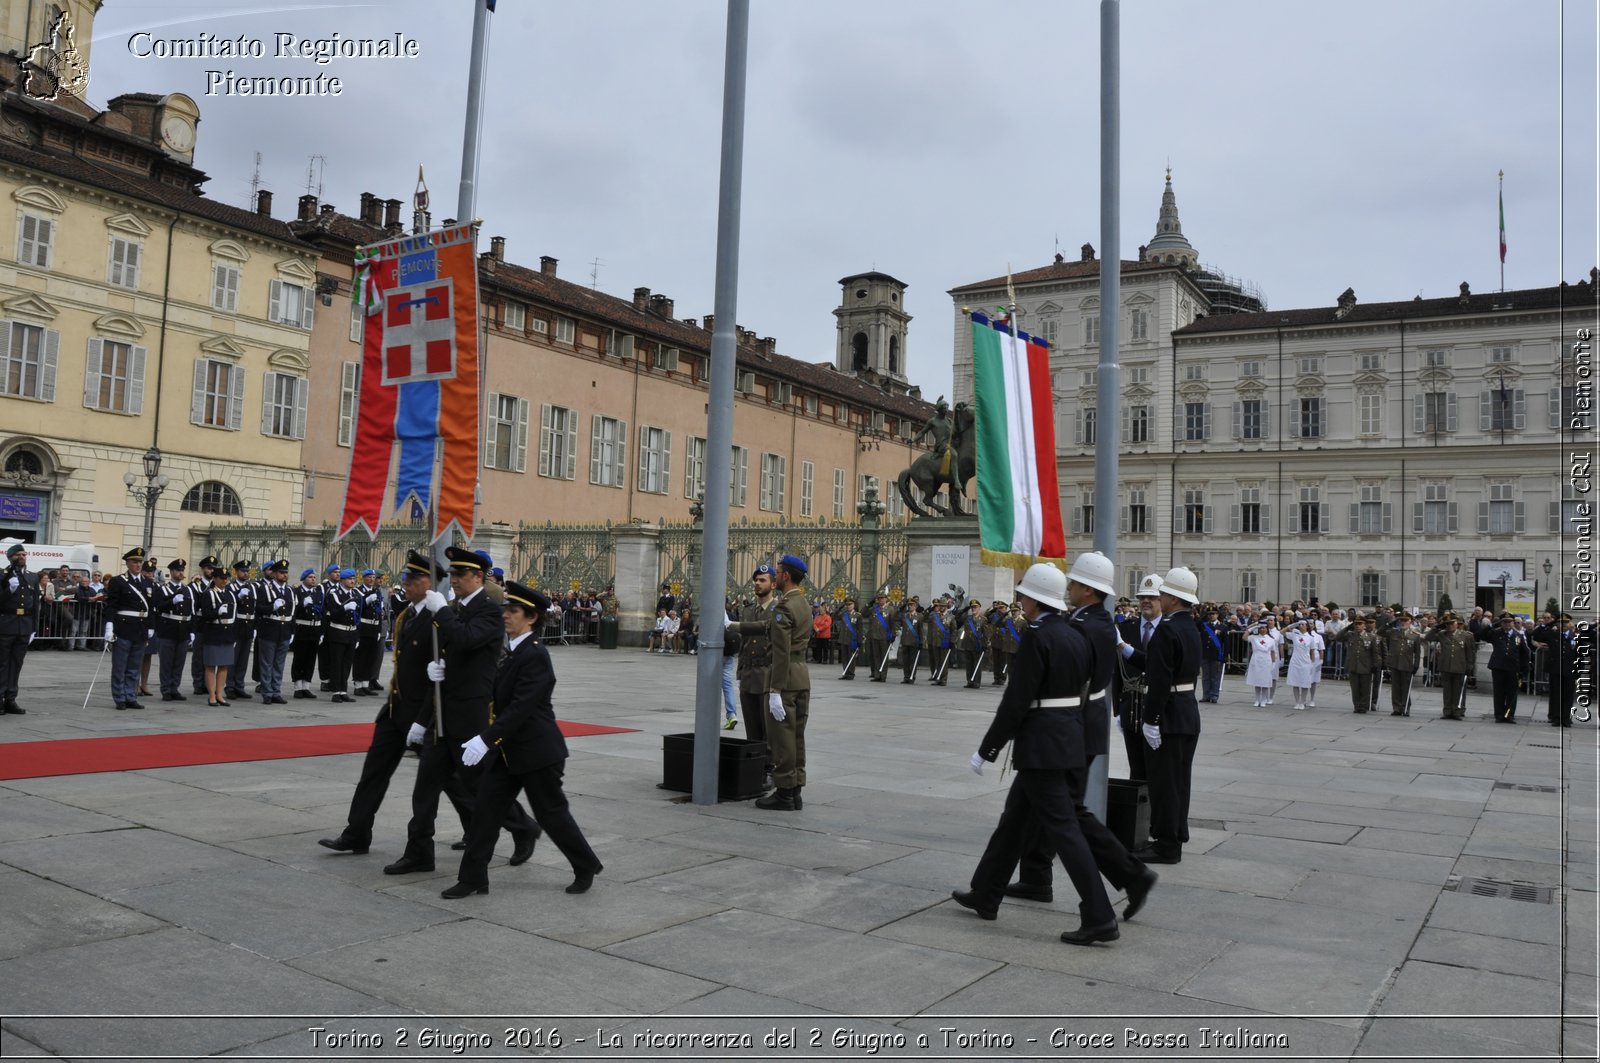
(1144, 640)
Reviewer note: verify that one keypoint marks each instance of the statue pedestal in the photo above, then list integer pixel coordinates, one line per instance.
(941, 552)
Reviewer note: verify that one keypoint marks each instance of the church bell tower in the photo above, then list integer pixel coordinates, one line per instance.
(872, 329)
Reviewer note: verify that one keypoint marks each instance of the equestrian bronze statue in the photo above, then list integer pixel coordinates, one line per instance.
(952, 462)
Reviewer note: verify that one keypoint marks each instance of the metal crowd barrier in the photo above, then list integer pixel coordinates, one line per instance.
(65, 624)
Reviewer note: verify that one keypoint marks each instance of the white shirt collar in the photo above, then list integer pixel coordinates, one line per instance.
(468, 598)
(514, 643)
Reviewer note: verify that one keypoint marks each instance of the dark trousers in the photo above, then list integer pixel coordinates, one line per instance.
(438, 764)
(849, 658)
(972, 665)
(368, 658)
(497, 794)
(13, 648)
(753, 707)
(1168, 771)
(910, 661)
(307, 640)
(240, 670)
(271, 654)
(383, 757)
(197, 667)
(1042, 797)
(325, 662)
(1362, 692)
(1110, 856)
(1453, 685)
(939, 662)
(877, 654)
(171, 653)
(1562, 690)
(340, 654)
(1505, 693)
(1210, 679)
(1001, 662)
(1400, 692)
(127, 654)
(1134, 744)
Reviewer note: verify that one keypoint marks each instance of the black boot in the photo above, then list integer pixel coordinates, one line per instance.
(779, 800)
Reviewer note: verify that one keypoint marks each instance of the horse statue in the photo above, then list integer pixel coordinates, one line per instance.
(952, 462)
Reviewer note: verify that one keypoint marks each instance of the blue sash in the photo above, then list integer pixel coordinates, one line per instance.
(883, 622)
(848, 626)
(944, 632)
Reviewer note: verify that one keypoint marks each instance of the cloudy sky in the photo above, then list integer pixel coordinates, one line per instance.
(1313, 147)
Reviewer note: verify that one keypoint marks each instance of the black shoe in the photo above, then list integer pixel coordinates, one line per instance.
(1088, 935)
(779, 800)
(970, 900)
(582, 880)
(795, 793)
(524, 847)
(1138, 890)
(13, 709)
(408, 864)
(973, 686)
(847, 677)
(1029, 891)
(459, 846)
(361, 692)
(904, 682)
(134, 705)
(327, 686)
(239, 694)
(302, 693)
(879, 679)
(1150, 855)
(178, 697)
(220, 702)
(341, 844)
(461, 889)
(198, 693)
(143, 693)
(120, 706)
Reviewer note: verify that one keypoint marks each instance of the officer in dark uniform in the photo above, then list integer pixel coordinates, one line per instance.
(369, 635)
(755, 661)
(19, 617)
(1170, 723)
(307, 634)
(847, 633)
(174, 625)
(471, 634)
(244, 629)
(199, 585)
(910, 625)
(1128, 681)
(971, 644)
(340, 609)
(1509, 657)
(1041, 713)
(214, 615)
(407, 716)
(330, 582)
(936, 643)
(879, 634)
(1003, 638)
(127, 621)
(274, 630)
(521, 749)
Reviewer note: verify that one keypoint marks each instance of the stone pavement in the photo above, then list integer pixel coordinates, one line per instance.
(1316, 908)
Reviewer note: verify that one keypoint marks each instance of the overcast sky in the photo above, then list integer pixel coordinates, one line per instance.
(1313, 147)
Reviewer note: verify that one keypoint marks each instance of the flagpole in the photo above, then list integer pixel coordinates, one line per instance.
(1022, 402)
(1502, 230)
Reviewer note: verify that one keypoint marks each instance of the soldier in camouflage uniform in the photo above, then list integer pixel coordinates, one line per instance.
(908, 626)
(1402, 656)
(1458, 650)
(877, 633)
(755, 660)
(1363, 654)
(971, 643)
(1004, 634)
(847, 637)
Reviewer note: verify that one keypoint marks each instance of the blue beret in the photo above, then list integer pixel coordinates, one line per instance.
(484, 555)
(498, 571)
(347, 573)
(369, 572)
(789, 561)
(762, 570)
(308, 572)
(333, 568)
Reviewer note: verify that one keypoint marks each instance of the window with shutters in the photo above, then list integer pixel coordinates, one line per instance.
(738, 475)
(807, 475)
(505, 439)
(1499, 355)
(1138, 324)
(558, 442)
(1196, 421)
(1250, 369)
(1138, 374)
(349, 398)
(896, 508)
(114, 377)
(225, 289)
(1308, 586)
(1500, 513)
(1310, 365)
(35, 238)
(566, 330)
(619, 344)
(218, 396)
(1370, 404)
(1435, 585)
(1086, 425)
(1434, 511)
(358, 322)
(283, 406)
(865, 482)
(1501, 409)
(122, 268)
(772, 485)
(1370, 515)
(1573, 511)
(1134, 577)
(1091, 329)
(1436, 412)
(1436, 359)
(516, 317)
(1371, 589)
(1251, 515)
(1136, 424)
(1311, 511)
(1370, 361)
(838, 493)
(1194, 373)
(655, 459)
(1090, 378)
(1248, 583)
(289, 304)
(1137, 519)
(539, 327)
(1250, 419)
(608, 446)
(1308, 417)
(1084, 521)
(212, 496)
(1564, 413)
(1196, 521)
(694, 468)
(664, 357)
(1052, 329)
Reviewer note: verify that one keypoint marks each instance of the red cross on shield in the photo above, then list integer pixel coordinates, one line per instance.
(419, 333)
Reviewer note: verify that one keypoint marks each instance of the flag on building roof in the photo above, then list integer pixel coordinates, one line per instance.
(1502, 226)
(1019, 500)
(419, 379)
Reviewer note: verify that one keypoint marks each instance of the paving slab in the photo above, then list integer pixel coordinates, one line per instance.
(782, 843)
(1293, 980)
(25, 816)
(1408, 867)
(1486, 952)
(1215, 872)
(1408, 841)
(1500, 917)
(1465, 999)
(109, 862)
(39, 915)
(1300, 829)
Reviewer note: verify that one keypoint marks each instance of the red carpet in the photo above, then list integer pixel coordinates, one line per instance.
(87, 756)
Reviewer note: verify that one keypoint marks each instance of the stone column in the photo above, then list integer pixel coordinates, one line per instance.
(637, 548)
(948, 549)
(500, 541)
(305, 551)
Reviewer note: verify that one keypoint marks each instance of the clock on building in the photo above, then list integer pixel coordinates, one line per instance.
(177, 134)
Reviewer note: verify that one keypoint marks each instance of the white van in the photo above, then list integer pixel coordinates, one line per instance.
(45, 557)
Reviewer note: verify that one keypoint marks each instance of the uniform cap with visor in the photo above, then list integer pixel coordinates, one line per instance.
(1149, 587)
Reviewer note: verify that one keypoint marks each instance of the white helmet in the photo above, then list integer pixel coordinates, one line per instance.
(1045, 584)
(1094, 569)
(1181, 584)
(1149, 587)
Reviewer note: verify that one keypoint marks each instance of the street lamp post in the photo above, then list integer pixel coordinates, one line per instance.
(1455, 567)
(147, 496)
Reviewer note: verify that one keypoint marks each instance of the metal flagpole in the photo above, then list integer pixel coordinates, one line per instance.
(1109, 387)
(719, 415)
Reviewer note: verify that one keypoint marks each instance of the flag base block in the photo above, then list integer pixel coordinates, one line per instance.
(945, 551)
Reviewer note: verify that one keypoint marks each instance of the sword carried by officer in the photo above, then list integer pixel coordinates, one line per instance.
(916, 659)
(102, 660)
(851, 662)
(977, 669)
(1377, 686)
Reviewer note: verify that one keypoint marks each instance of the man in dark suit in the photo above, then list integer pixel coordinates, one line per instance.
(1170, 724)
(471, 633)
(521, 750)
(127, 621)
(1127, 680)
(1041, 713)
(1560, 640)
(19, 613)
(1509, 657)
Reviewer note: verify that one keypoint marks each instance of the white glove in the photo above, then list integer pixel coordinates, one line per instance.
(473, 751)
(1152, 735)
(436, 671)
(109, 635)
(191, 639)
(31, 636)
(415, 736)
(977, 763)
(149, 633)
(727, 621)
(433, 601)
(350, 607)
(13, 583)
(775, 706)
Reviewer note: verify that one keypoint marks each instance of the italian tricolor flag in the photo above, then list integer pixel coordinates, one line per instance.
(1019, 502)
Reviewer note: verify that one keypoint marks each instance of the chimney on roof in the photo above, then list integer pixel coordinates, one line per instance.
(1346, 302)
(709, 322)
(369, 208)
(661, 306)
(497, 248)
(1466, 293)
(326, 210)
(263, 203)
(308, 208)
(547, 265)
(641, 298)
(1086, 253)
(391, 215)
(1060, 258)
(915, 392)
(768, 345)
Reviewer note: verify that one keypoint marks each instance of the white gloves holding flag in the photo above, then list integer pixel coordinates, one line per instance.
(415, 736)
(473, 751)
(977, 763)
(775, 706)
(433, 601)
(1152, 735)
(436, 671)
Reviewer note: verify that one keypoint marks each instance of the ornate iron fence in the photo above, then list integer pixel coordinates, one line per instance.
(260, 543)
(256, 543)
(559, 558)
(845, 560)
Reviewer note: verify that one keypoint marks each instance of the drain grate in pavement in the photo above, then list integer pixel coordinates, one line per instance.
(1527, 786)
(1543, 745)
(1488, 887)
